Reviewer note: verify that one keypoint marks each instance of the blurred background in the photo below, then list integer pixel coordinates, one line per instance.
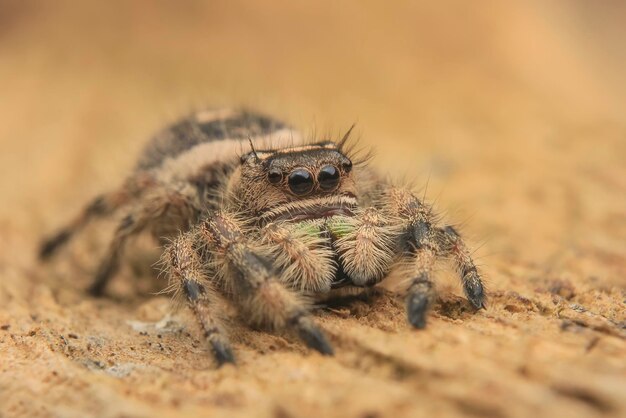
(497, 103)
(514, 113)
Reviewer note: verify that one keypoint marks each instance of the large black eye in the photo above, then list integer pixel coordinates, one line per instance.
(328, 177)
(300, 181)
(275, 176)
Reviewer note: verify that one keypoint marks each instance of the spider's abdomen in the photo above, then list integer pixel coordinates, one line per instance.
(205, 127)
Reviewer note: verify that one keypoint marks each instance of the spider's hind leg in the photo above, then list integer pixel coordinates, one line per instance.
(163, 205)
(100, 207)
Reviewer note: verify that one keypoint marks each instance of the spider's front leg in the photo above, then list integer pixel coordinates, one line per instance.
(189, 278)
(249, 277)
(424, 242)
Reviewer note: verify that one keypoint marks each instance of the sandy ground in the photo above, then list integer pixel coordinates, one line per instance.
(516, 115)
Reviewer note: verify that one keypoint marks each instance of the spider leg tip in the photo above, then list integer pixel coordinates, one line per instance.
(223, 354)
(49, 246)
(315, 339)
(417, 307)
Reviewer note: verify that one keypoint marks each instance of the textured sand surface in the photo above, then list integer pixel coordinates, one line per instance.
(515, 115)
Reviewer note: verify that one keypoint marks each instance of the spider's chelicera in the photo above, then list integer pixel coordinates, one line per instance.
(287, 222)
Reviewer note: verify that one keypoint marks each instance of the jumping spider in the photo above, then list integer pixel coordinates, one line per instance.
(288, 222)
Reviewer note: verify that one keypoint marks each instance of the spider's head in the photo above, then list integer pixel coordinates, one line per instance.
(297, 183)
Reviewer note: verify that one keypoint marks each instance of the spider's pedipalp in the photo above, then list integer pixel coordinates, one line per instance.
(303, 255)
(368, 249)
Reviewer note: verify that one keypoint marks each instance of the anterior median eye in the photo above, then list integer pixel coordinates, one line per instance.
(300, 181)
(275, 176)
(328, 177)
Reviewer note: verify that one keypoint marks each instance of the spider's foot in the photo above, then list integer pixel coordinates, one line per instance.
(313, 336)
(474, 290)
(222, 352)
(52, 244)
(417, 308)
(96, 290)
(101, 279)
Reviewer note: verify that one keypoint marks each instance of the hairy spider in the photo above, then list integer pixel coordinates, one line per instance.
(290, 221)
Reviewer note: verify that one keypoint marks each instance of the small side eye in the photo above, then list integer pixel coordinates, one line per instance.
(328, 177)
(248, 156)
(347, 165)
(300, 182)
(275, 176)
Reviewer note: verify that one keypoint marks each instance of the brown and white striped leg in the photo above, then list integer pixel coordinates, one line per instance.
(428, 242)
(421, 290)
(99, 207)
(188, 277)
(250, 277)
(452, 245)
